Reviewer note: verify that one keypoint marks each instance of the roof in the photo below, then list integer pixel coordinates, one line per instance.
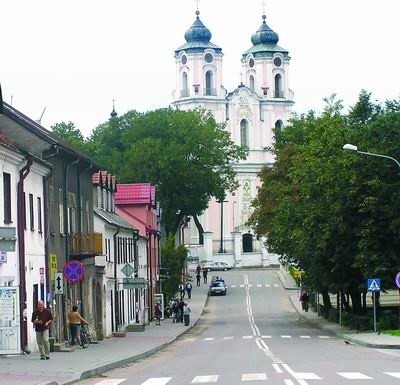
(135, 193)
(113, 219)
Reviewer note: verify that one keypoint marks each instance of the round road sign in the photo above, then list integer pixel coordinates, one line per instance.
(398, 280)
(73, 271)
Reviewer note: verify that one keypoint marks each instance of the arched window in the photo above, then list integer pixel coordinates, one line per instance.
(185, 89)
(278, 86)
(209, 84)
(278, 125)
(251, 82)
(244, 133)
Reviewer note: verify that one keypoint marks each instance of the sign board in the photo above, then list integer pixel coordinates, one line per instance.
(58, 283)
(128, 270)
(3, 257)
(398, 280)
(41, 272)
(73, 271)
(134, 283)
(374, 284)
(7, 238)
(53, 266)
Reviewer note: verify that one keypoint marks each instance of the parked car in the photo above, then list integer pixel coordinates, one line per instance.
(218, 287)
(216, 266)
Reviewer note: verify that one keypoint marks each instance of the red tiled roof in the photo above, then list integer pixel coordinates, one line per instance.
(135, 193)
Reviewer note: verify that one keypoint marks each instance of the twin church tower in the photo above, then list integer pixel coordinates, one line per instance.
(262, 102)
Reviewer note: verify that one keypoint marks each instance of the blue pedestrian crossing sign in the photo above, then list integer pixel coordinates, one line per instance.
(374, 284)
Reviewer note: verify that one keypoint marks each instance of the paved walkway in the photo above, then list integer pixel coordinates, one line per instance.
(67, 367)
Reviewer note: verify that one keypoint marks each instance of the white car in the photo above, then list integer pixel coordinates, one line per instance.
(218, 287)
(216, 266)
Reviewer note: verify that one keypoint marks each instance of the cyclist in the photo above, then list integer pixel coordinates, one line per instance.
(75, 320)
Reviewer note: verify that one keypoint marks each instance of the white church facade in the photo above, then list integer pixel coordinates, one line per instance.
(263, 101)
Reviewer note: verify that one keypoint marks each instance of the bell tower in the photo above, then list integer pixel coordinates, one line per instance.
(199, 72)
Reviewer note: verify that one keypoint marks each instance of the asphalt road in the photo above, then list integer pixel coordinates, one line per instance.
(253, 335)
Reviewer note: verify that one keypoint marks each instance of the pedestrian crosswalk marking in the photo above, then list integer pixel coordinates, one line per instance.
(324, 337)
(393, 374)
(233, 286)
(228, 338)
(276, 285)
(247, 337)
(156, 381)
(266, 336)
(111, 381)
(286, 336)
(209, 339)
(354, 376)
(306, 376)
(259, 285)
(241, 285)
(305, 337)
(254, 376)
(267, 285)
(205, 379)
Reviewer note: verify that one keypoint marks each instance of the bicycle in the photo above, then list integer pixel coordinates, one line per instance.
(85, 336)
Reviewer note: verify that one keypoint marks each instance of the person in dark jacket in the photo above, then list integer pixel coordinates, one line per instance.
(41, 319)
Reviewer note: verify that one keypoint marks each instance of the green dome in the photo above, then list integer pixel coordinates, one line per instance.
(264, 35)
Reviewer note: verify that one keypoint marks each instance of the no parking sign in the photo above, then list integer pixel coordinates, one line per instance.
(73, 271)
(397, 280)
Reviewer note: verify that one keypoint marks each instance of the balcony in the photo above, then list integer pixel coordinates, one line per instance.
(86, 244)
(184, 93)
(209, 92)
(279, 94)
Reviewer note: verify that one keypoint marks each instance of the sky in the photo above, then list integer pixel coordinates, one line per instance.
(71, 58)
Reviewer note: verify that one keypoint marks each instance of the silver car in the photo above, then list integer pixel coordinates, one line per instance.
(216, 266)
(218, 287)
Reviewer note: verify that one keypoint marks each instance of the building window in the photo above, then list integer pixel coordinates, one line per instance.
(72, 213)
(244, 133)
(278, 125)
(7, 197)
(61, 210)
(31, 214)
(51, 209)
(39, 214)
(278, 86)
(185, 88)
(251, 82)
(209, 83)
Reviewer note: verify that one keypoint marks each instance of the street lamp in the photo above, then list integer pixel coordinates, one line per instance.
(352, 147)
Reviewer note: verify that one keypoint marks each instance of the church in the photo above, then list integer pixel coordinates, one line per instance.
(262, 101)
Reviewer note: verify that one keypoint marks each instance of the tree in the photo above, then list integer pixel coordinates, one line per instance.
(334, 213)
(70, 134)
(185, 154)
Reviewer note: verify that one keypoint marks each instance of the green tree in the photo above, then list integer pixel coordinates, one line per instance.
(185, 154)
(335, 214)
(70, 134)
(173, 259)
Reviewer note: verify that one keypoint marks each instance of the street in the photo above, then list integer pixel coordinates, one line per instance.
(254, 335)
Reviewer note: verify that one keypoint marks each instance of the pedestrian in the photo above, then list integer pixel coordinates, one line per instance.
(198, 269)
(181, 307)
(181, 289)
(41, 319)
(205, 273)
(304, 299)
(157, 313)
(74, 320)
(186, 314)
(175, 309)
(189, 289)
(198, 278)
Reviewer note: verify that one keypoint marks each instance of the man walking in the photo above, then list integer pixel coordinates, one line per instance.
(189, 289)
(205, 273)
(41, 319)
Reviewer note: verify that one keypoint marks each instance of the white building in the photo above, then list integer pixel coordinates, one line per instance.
(22, 225)
(262, 102)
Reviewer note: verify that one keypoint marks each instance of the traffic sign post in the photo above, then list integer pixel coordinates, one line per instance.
(374, 285)
(73, 271)
(58, 283)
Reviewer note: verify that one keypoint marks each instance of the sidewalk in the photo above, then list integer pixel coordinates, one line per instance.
(66, 367)
(369, 339)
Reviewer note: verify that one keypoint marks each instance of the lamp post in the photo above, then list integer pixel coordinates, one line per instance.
(352, 147)
(221, 244)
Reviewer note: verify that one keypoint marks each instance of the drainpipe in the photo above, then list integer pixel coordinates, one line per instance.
(80, 227)
(66, 232)
(116, 299)
(23, 173)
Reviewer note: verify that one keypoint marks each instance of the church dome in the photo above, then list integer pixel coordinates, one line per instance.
(198, 31)
(264, 35)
